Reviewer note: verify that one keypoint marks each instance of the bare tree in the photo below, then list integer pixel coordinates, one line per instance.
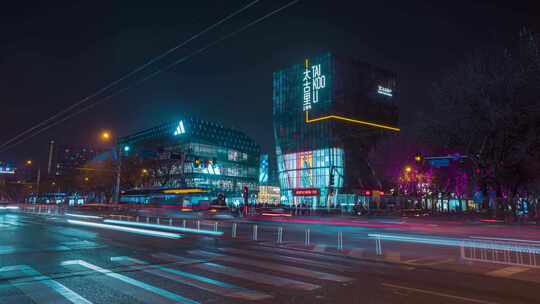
(489, 109)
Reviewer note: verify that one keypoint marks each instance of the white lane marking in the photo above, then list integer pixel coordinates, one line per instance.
(26, 284)
(507, 271)
(435, 293)
(194, 280)
(128, 229)
(256, 277)
(504, 239)
(274, 266)
(162, 292)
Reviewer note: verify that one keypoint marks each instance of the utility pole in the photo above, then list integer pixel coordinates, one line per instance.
(118, 173)
(49, 164)
(38, 178)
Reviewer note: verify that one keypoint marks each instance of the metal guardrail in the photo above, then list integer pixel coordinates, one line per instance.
(510, 254)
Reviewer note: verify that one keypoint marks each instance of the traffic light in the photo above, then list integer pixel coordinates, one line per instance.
(331, 184)
(418, 157)
(196, 163)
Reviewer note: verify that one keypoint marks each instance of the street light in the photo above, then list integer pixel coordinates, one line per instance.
(408, 169)
(105, 135)
(29, 162)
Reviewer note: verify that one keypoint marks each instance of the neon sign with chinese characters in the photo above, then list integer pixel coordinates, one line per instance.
(313, 81)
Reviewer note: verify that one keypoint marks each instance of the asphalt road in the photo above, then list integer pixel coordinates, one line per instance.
(44, 258)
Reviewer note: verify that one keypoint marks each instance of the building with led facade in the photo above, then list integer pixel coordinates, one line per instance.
(328, 113)
(197, 154)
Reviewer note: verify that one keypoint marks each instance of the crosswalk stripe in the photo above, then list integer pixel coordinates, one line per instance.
(256, 277)
(507, 271)
(356, 252)
(304, 253)
(429, 261)
(194, 280)
(273, 266)
(164, 294)
(319, 248)
(31, 283)
(288, 259)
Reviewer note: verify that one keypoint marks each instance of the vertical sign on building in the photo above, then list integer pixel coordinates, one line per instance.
(313, 81)
(319, 82)
(307, 87)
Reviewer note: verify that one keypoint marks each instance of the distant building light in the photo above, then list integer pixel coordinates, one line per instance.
(7, 170)
(384, 91)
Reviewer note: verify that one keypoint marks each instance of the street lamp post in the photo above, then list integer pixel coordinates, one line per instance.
(106, 136)
(38, 176)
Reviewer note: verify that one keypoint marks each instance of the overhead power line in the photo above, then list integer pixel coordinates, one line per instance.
(126, 76)
(152, 75)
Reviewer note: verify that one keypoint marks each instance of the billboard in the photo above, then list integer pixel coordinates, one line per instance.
(306, 192)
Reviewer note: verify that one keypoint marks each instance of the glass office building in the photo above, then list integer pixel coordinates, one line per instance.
(328, 113)
(196, 154)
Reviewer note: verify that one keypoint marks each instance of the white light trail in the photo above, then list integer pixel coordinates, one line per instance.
(9, 207)
(172, 228)
(457, 242)
(127, 229)
(83, 216)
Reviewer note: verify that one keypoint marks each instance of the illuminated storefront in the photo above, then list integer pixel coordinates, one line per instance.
(194, 153)
(328, 114)
(269, 195)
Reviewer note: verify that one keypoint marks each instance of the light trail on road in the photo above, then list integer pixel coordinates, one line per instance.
(128, 229)
(164, 227)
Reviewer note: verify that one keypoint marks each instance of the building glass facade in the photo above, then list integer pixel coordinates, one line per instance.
(193, 153)
(328, 113)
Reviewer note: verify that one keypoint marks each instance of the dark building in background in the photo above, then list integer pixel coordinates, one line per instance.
(328, 113)
(200, 155)
(68, 159)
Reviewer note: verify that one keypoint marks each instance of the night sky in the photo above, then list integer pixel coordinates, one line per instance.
(53, 54)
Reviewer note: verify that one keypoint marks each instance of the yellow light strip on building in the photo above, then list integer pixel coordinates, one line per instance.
(360, 122)
(184, 191)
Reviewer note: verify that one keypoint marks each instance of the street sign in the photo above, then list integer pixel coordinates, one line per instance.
(306, 192)
(441, 162)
